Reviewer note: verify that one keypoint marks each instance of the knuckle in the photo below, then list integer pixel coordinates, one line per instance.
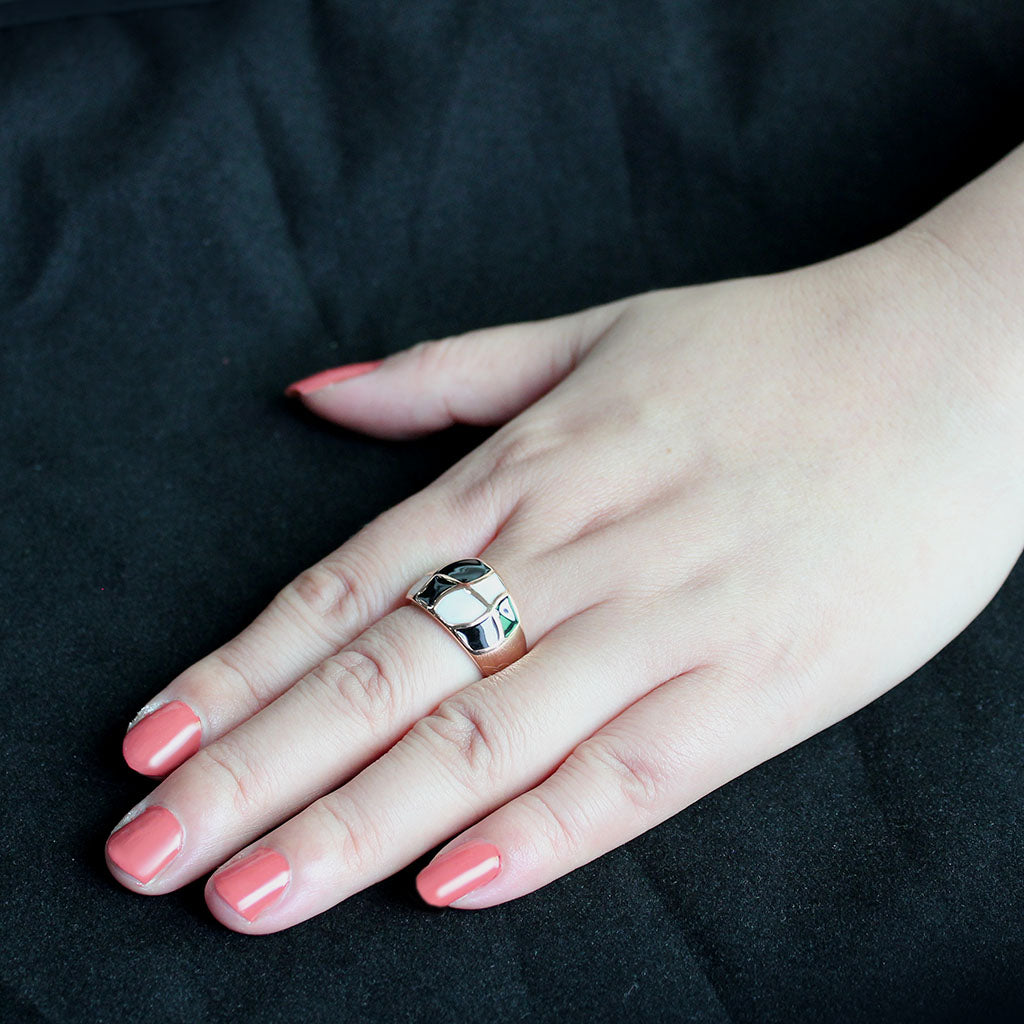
(327, 593)
(466, 736)
(504, 466)
(239, 676)
(562, 828)
(641, 775)
(223, 768)
(518, 448)
(774, 674)
(350, 837)
(360, 683)
(431, 356)
(593, 520)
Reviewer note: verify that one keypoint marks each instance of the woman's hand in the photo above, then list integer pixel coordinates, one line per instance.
(729, 514)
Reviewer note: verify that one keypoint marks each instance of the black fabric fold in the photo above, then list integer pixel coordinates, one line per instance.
(24, 12)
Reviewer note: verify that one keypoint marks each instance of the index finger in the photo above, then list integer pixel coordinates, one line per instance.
(311, 618)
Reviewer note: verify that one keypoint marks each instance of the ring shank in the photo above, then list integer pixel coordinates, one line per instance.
(502, 656)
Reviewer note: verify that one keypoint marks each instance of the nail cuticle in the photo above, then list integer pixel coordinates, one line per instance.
(147, 710)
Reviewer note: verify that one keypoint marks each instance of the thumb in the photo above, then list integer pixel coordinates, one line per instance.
(483, 377)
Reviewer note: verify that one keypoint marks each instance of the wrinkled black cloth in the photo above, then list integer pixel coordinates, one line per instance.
(22, 12)
(200, 204)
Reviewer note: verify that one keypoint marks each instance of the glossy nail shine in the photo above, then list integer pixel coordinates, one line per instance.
(147, 844)
(459, 871)
(163, 739)
(254, 883)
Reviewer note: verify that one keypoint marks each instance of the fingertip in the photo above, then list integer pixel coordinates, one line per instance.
(384, 412)
(226, 915)
(378, 411)
(220, 910)
(456, 872)
(162, 740)
(240, 892)
(325, 378)
(139, 849)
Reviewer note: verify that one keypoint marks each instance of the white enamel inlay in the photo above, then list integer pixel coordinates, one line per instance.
(458, 606)
(489, 587)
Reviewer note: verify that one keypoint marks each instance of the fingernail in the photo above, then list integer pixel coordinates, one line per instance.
(163, 739)
(457, 872)
(254, 883)
(147, 844)
(332, 376)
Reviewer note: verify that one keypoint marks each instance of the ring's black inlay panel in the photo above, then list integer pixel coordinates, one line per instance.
(480, 636)
(465, 570)
(432, 590)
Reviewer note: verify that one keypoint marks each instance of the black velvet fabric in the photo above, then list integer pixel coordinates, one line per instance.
(22, 12)
(200, 204)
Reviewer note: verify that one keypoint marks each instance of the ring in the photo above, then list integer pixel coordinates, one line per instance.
(468, 598)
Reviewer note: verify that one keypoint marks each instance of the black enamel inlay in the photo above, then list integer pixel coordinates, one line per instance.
(481, 636)
(465, 570)
(432, 590)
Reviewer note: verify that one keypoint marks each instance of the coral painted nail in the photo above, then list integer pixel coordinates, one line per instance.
(457, 872)
(253, 883)
(147, 844)
(333, 376)
(163, 739)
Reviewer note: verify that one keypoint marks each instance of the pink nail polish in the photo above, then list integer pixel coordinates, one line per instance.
(163, 739)
(457, 872)
(332, 376)
(253, 883)
(147, 844)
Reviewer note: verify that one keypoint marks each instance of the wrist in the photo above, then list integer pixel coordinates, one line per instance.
(979, 229)
(946, 297)
(938, 346)
(959, 293)
(970, 249)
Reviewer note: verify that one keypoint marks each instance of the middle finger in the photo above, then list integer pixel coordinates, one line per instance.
(482, 746)
(320, 732)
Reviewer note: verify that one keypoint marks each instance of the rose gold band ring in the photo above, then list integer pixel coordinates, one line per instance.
(468, 598)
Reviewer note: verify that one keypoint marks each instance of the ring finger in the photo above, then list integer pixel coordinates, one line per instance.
(321, 731)
(481, 747)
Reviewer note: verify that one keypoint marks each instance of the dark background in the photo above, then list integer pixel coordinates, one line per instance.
(199, 205)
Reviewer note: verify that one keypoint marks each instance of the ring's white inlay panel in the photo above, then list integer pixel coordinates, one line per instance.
(458, 606)
(489, 587)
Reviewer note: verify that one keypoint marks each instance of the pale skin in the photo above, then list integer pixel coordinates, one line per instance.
(730, 515)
